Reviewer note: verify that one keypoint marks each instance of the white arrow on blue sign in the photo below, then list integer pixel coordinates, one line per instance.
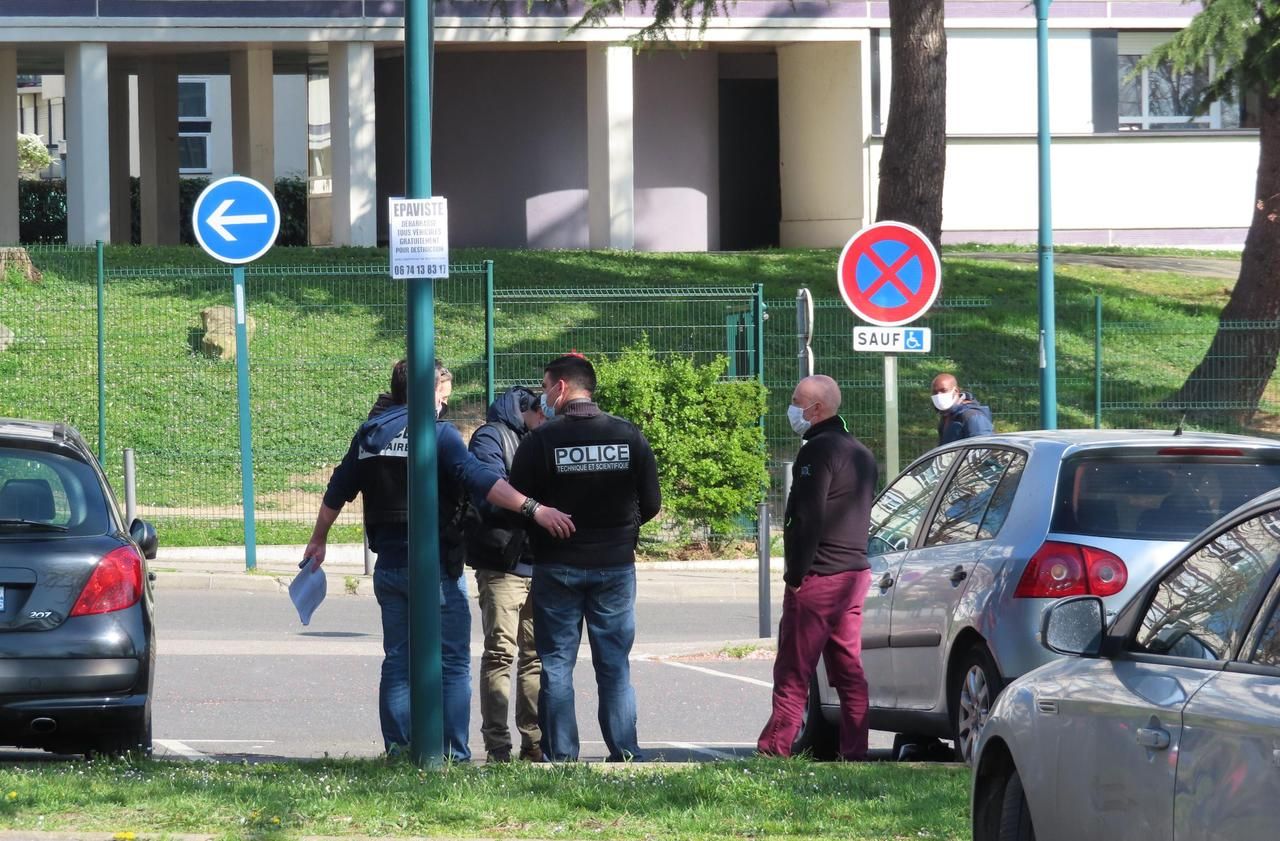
(236, 220)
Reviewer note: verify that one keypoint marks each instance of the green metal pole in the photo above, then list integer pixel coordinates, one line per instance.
(246, 431)
(426, 693)
(489, 349)
(1097, 362)
(1048, 338)
(102, 360)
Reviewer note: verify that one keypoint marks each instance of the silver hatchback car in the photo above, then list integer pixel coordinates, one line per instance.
(970, 543)
(1165, 724)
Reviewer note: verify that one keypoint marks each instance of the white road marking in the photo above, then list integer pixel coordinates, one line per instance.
(228, 741)
(183, 750)
(705, 751)
(753, 681)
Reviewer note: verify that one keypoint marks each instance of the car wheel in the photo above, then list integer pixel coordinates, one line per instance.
(977, 684)
(1015, 814)
(817, 738)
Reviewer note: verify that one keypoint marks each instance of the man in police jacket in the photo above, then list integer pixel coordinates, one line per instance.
(598, 469)
(827, 574)
(376, 467)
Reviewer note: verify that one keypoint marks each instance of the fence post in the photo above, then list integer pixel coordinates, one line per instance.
(1097, 362)
(489, 350)
(130, 488)
(762, 553)
(102, 357)
(369, 557)
(246, 429)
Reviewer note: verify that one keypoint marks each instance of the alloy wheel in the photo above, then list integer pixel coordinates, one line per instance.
(975, 706)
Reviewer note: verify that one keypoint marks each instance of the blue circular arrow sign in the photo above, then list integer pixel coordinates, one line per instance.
(236, 219)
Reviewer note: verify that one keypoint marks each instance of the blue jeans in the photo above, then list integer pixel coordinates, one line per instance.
(563, 597)
(391, 587)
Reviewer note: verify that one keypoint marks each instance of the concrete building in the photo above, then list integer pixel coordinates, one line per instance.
(767, 132)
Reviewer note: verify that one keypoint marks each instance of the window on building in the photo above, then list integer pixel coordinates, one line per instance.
(1158, 99)
(193, 126)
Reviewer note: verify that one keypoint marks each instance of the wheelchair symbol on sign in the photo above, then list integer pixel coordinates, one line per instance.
(913, 340)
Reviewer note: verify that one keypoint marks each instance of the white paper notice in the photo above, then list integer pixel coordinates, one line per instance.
(419, 238)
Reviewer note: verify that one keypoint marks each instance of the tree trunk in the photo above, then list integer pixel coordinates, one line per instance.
(1234, 373)
(915, 139)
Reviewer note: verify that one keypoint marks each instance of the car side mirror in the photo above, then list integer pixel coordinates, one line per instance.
(1074, 626)
(144, 534)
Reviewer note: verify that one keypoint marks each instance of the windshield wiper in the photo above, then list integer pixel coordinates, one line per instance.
(31, 524)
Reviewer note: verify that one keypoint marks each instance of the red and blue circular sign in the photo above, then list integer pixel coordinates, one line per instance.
(889, 274)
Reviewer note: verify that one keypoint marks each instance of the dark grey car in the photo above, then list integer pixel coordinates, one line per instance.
(77, 641)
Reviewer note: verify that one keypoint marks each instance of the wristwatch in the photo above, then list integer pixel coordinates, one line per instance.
(529, 507)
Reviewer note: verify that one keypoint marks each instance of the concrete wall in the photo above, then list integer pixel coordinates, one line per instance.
(1122, 189)
(822, 141)
(677, 156)
(510, 147)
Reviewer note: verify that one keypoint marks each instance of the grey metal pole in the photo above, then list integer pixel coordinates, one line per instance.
(890, 415)
(762, 552)
(369, 557)
(130, 488)
(804, 331)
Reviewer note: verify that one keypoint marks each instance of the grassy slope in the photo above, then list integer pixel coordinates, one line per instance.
(322, 345)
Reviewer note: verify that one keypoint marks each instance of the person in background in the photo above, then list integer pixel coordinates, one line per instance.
(959, 414)
(501, 555)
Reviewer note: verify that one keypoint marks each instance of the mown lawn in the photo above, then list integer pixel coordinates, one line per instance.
(328, 323)
(748, 799)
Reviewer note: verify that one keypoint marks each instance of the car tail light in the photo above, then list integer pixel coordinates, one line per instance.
(116, 583)
(1067, 569)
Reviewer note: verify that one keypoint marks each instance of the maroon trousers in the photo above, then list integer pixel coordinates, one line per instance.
(823, 617)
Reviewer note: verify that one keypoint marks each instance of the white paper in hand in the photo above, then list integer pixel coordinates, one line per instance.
(307, 590)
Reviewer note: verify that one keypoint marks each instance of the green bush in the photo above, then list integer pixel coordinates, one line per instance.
(42, 210)
(704, 430)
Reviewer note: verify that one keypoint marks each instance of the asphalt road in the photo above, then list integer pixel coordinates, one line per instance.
(238, 676)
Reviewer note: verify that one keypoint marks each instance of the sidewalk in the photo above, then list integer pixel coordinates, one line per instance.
(223, 568)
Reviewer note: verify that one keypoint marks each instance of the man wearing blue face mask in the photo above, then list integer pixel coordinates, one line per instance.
(827, 573)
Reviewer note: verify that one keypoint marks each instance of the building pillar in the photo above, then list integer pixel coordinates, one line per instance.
(88, 193)
(253, 144)
(158, 151)
(118, 138)
(610, 147)
(9, 151)
(822, 139)
(352, 114)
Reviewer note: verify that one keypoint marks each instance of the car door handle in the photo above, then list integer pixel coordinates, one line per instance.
(886, 581)
(958, 574)
(1153, 738)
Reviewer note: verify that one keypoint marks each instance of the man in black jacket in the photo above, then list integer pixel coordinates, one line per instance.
(827, 574)
(376, 468)
(499, 551)
(600, 470)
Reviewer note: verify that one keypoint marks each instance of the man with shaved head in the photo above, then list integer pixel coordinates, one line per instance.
(959, 414)
(827, 574)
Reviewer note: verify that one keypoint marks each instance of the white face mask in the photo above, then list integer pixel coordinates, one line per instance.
(795, 414)
(944, 401)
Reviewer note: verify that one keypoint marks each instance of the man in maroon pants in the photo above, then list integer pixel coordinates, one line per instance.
(827, 574)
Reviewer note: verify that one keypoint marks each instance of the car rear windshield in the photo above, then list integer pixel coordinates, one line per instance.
(1154, 496)
(45, 493)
